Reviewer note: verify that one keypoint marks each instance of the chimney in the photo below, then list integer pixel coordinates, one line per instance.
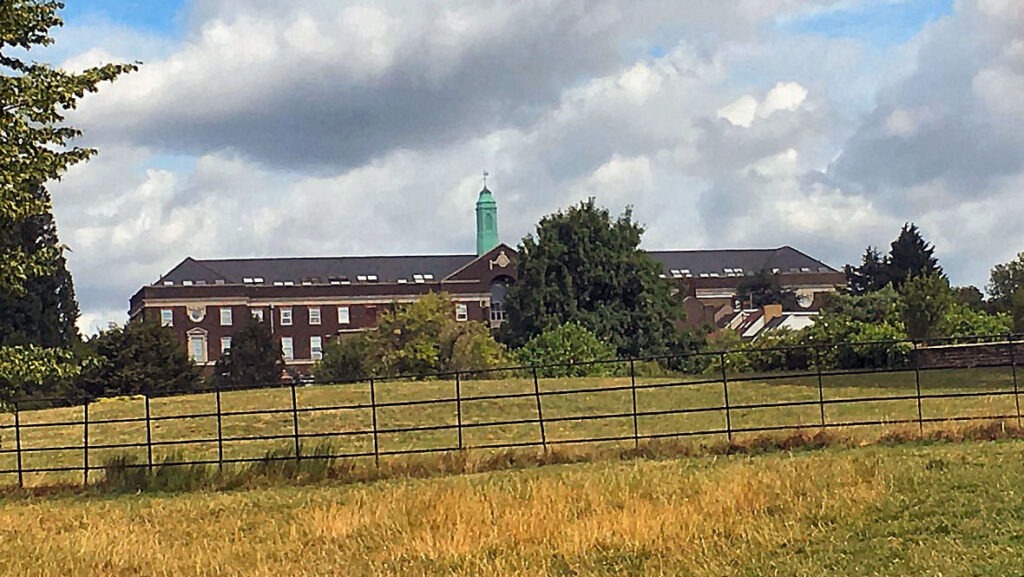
(771, 312)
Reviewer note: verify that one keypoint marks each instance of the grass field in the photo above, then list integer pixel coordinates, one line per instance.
(568, 415)
(940, 509)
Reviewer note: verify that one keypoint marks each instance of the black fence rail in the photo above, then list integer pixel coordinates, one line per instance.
(713, 395)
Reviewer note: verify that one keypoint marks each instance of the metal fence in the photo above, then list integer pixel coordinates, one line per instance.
(713, 395)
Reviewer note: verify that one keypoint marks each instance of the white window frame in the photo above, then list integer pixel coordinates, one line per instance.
(461, 312)
(200, 336)
(344, 315)
(288, 348)
(314, 315)
(257, 313)
(167, 317)
(286, 316)
(316, 348)
(225, 344)
(226, 316)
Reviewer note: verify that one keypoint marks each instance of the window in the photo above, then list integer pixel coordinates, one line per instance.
(343, 318)
(225, 316)
(257, 314)
(225, 344)
(461, 312)
(197, 348)
(287, 348)
(316, 348)
(286, 316)
(497, 312)
(314, 315)
(166, 317)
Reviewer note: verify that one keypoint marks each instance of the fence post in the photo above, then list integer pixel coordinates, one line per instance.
(1013, 368)
(85, 443)
(17, 445)
(725, 391)
(632, 387)
(917, 383)
(458, 408)
(220, 428)
(149, 435)
(373, 423)
(295, 424)
(540, 413)
(821, 384)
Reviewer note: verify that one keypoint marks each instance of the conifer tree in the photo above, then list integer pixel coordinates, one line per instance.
(910, 256)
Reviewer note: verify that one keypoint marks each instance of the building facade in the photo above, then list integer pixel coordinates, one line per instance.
(307, 301)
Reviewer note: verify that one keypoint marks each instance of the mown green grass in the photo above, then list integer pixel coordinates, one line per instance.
(560, 407)
(916, 510)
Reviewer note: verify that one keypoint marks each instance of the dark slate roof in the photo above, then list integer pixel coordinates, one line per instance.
(318, 270)
(392, 268)
(785, 259)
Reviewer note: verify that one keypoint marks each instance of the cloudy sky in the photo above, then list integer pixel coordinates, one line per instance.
(327, 127)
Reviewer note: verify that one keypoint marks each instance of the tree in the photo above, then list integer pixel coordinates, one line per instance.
(346, 358)
(45, 311)
(33, 100)
(763, 289)
(1005, 280)
(582, 266)
(33, 151)
(927, 300)
(970, 296)
(255, 357)
(559, 351)
(141, 357)
(870, 276)
(910, 257)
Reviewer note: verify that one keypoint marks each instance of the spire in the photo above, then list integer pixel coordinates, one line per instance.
(486, 220)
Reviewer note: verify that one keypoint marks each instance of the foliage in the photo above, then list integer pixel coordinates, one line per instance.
(962, 320)
(1005, 280)
(969, 296)
(851, 331)
(763, 289)
(346, 358)
(43, 311)
(26, 369)
(141, 357)
(417, 338)
(557, 351)
(872, 274)
(581, 266)
(255, 357)
(910, 257)
(927, 299)
(33, 100)
(470, 347)
(1017, 310)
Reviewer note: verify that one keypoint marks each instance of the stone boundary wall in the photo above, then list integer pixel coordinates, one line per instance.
(1001, 354)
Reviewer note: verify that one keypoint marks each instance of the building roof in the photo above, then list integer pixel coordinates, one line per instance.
(736, 262)
(433, 268)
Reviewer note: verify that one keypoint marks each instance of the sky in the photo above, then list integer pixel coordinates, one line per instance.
(261, 128)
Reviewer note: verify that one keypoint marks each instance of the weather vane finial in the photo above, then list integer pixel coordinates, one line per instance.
(486, 174)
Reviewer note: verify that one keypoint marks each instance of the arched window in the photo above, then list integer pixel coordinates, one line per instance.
(498, 290)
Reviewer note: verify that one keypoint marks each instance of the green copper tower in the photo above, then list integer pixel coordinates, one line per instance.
(486, 222)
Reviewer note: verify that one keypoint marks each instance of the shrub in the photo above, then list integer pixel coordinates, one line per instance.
(469, 346)
(141, 357)
(559, 350)
(347, 358)
(254, 358)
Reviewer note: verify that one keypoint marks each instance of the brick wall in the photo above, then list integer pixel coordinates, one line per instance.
(972, 355)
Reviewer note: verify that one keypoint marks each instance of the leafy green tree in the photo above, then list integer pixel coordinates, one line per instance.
(764, 288)
(927, 300)
(33, 101)
(27, 370)
(962, 320)
(558, 350)
(970, 296)
(469, 346)
(870, 276)
(33, 151)
(44, 312)
(581, 266)
(1017, 310)
(910, 256)
(141, 357)
(255, 357)
(346, 358)
(1005, 280)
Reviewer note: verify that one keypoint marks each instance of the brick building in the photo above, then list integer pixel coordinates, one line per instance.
(306, 301)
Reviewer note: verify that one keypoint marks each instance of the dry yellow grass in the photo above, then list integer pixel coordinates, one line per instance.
(643, 518)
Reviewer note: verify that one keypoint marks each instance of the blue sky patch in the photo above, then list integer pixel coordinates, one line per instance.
(154, 15)
(882, 24)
